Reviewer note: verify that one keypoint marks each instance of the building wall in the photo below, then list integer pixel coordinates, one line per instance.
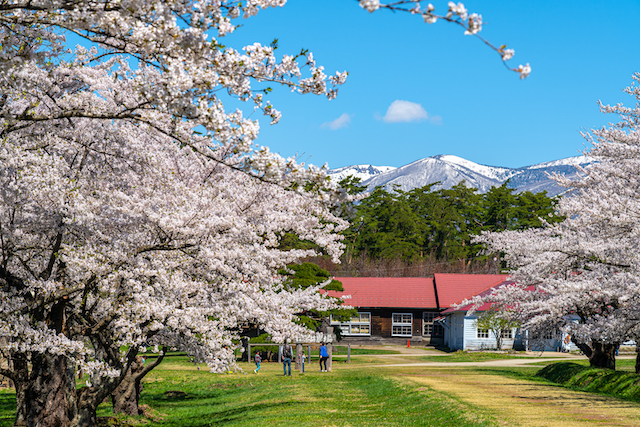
(382, 325)
(461, 334)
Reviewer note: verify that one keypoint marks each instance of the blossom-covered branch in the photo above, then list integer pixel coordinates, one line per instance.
(457, 14)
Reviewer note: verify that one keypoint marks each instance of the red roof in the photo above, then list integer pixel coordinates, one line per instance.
(455, 288)
(414, 292)
(486, 305)
(400, 292)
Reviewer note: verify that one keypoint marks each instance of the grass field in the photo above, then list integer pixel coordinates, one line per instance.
(462, 356)
(358, 397)
(371, 391)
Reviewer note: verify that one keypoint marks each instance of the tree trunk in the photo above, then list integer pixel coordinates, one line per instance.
(637, 357)
(88, 400)
(601, 355)
(498, 335)
(50, 394)
(20, 381)
(126, 396)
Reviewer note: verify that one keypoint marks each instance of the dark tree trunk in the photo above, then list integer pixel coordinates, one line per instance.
(126, 396)
(50, 394)
(88, 400)
(21, 403)
(601, 355)
(637, 356)
(20, 381)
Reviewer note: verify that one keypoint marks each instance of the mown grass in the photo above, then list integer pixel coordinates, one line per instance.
(342, 350)
(341, 398)
(465, 356)
(178, 394)
(7, 407)
(620, 384)
(628, 365)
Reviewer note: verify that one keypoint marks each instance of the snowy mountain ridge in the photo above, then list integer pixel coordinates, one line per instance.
(364, 172)
(449, 170)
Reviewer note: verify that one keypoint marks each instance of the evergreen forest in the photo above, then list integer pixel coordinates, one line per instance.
(430, 230)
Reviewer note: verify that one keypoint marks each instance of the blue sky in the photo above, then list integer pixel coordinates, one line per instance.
(580, 52)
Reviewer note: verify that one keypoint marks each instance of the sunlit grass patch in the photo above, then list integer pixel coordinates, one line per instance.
(620, 384)
(468, 356)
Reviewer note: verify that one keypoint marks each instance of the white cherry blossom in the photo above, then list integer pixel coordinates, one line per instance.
(582, 276)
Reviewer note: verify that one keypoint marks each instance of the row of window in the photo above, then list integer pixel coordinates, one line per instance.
(484, 333)
(401, 325)
(508, 334)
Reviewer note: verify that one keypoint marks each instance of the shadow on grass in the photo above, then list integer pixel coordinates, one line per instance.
(7, 408)
(209, 413)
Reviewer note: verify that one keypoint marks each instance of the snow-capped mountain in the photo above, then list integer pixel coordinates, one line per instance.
(450, 170)
(364, 172)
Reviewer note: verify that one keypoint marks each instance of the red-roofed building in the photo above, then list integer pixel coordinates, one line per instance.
(455, 288)
(400, 308)
(461, 331)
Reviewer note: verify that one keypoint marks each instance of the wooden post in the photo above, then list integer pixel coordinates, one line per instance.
(299, 352)
(349, 353)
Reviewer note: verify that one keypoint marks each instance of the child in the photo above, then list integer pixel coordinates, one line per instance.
(258, 359)
(304, 357)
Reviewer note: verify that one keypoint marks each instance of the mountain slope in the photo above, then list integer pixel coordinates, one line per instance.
(364, 172)
(450, 170)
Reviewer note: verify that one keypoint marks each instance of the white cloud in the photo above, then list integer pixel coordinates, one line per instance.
(405, 111)
(338, 123)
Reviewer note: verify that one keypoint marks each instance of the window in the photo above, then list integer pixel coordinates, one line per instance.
(482, 333)
(357, 325)
(550, 335)
(429, 327)
(401, 324)
(507, 333)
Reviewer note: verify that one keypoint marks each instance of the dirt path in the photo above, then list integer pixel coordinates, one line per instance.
(521, 403)
(513, 402)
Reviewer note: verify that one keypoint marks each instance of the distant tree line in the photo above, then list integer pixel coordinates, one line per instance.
(427, 230)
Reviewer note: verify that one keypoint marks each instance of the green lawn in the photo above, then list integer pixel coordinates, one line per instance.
(178, 394)
(464, 356)
(342, 350)
(358, 397)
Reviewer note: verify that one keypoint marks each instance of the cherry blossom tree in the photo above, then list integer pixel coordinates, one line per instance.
(119, 237)
(135, 210)
(456, 14)
(582, 275)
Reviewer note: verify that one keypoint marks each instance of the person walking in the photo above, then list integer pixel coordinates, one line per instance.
(286, 358)
(257, 359)
(323, 357)
(302, 359)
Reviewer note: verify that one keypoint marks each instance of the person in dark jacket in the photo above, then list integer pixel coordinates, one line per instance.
(286, 358)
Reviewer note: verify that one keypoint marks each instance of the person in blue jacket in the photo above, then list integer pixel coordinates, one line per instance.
(257, 359)
(323, 357)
